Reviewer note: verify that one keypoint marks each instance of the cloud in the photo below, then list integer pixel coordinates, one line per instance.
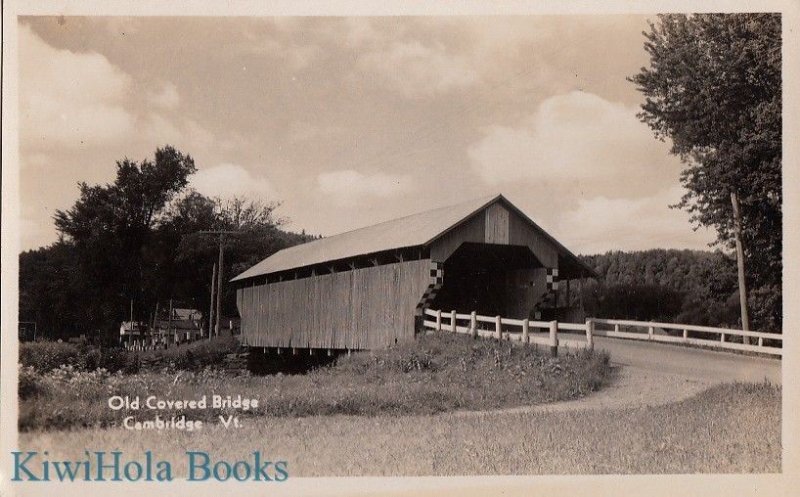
(69, 99)
(167, 97)
(296, 58)
(429, 56)
(574, 137)
(350, 184)
(300, 131)
(417, 70)
(277, 40)
(600, 224)
(403, 60)
(229, 180)
(157, 129)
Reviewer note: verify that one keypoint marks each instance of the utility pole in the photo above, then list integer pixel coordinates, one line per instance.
(221, 234)
(737, 229)
(169, 320)
(211, 305)
(155, 320)
(219, 286)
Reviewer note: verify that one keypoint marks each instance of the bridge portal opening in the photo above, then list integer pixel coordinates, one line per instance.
(490, 279)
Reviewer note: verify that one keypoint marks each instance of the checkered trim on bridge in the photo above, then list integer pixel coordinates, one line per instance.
(437, 273)
(437, 278)
(552, 279)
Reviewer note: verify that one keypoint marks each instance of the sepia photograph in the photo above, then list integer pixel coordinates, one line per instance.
(289, 247)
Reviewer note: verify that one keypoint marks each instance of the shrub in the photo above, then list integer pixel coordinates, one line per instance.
(45, 356)
(194, 356)
(30, 382)
(766, 308)
(117, 359)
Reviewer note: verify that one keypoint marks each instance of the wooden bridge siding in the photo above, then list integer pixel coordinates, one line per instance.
(472, 230)
(521, 233)
(362, 308)
(497, 224)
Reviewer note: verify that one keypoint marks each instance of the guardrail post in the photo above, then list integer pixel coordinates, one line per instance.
(760, 341)
(439, 320)
(686, 335)
(473, 324)
(453, 320)
(590, 333)
(525, 330)
(650, 332)
(554, 338)
(498, 328)
(722, 337)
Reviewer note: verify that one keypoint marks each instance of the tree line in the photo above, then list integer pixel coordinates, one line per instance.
(139, 240)
(682, 286)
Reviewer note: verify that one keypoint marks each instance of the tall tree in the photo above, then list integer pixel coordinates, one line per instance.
(138, 239)
(714, 88)
(111, 227)
(258, 234)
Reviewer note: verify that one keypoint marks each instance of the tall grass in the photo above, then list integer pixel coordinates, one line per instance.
(47, 356)
(194, 356)
(436, 373)
(733, 428)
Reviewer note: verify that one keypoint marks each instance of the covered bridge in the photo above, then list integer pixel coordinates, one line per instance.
(366, 288)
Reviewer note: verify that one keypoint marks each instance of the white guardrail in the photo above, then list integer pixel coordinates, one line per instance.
(527, 331)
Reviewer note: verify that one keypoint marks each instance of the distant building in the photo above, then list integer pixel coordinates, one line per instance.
(367, 288)
(131, 332)
(184, 325)
(180, 314)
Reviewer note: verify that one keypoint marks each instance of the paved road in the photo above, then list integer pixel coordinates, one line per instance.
(711, 366)
(653, 374)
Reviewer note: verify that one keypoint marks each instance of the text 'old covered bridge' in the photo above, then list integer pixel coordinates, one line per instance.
(366, 288)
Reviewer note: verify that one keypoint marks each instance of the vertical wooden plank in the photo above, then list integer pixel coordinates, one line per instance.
(497, 224)
(590, 333)
(554, 338)
(522, 233)
(473, 324)
(526, 331)
(258, 309)
(471, 230)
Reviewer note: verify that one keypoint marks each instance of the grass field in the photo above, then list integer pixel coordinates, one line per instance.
(436, 373)
(727, 429)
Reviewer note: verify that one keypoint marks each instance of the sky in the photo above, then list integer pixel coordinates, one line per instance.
(352, 121)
